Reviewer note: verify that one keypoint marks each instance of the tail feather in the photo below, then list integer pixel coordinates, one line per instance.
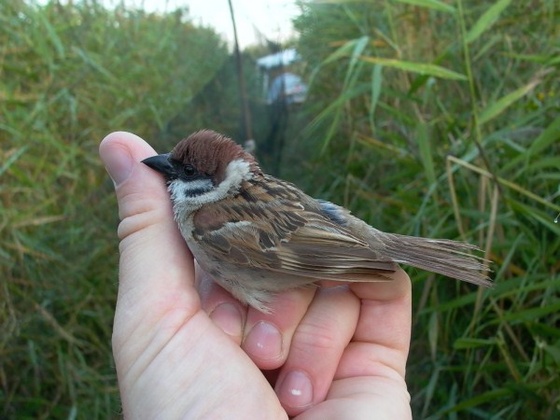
(449, 258)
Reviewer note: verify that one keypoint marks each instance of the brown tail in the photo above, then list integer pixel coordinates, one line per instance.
(442, 256)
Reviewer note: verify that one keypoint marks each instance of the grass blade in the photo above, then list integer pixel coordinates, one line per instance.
(486, 21)
(426, 152)
(420, 68)
(376, 83)
(496, 108)
(548, 137)
(430, 4)
(10, 161)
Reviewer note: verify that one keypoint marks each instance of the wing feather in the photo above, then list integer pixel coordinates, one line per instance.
(285, 236)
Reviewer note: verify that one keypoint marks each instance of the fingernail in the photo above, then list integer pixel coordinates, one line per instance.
(264, 341)
(228, 318)
(296, 390)
(119, 165)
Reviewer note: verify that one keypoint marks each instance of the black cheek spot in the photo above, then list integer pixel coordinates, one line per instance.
(195, 193)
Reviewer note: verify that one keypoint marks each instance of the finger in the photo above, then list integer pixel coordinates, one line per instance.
(268, 337)
(156, 267)
(317, 346)
(362, 396)
(225, 310)
(382, 338)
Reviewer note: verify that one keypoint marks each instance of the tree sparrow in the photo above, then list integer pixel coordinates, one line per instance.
(258, 235)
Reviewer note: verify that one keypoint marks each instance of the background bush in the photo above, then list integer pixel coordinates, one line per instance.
(70, 75)
(443, 121)
(435, 120)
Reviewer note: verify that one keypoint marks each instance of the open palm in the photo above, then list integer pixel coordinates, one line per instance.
(184, 347)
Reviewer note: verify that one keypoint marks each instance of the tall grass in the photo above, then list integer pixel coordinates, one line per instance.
(69, 75)
(441, 119)
(426, 117)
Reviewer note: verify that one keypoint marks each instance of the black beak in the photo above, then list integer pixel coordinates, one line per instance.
(162, 164)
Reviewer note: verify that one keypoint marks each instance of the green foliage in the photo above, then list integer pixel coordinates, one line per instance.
(441, 119)
(426, 117)
(68, 76)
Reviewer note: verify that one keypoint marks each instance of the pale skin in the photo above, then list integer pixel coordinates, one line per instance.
(185, 348)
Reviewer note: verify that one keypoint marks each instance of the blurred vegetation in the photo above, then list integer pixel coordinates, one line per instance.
(70, 74)
(425, 117)
(442, 119)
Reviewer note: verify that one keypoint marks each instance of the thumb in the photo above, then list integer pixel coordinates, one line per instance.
(156, 272)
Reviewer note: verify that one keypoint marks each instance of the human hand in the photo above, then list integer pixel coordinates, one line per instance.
(184, 347)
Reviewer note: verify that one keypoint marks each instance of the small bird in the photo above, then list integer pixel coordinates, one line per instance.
(258, 235)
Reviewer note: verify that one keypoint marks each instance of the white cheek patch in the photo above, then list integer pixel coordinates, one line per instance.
(237, 171)
(184, 191)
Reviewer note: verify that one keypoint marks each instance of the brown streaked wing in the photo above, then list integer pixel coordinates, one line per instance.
(300, 242)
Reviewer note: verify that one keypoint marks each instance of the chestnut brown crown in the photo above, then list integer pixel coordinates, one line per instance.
(210, 153)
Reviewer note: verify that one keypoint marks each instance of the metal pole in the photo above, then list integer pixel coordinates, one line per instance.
(241, 80)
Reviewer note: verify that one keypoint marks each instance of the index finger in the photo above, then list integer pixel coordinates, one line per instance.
(384, 327)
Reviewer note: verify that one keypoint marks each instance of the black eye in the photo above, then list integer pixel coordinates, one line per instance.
(190, 171)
